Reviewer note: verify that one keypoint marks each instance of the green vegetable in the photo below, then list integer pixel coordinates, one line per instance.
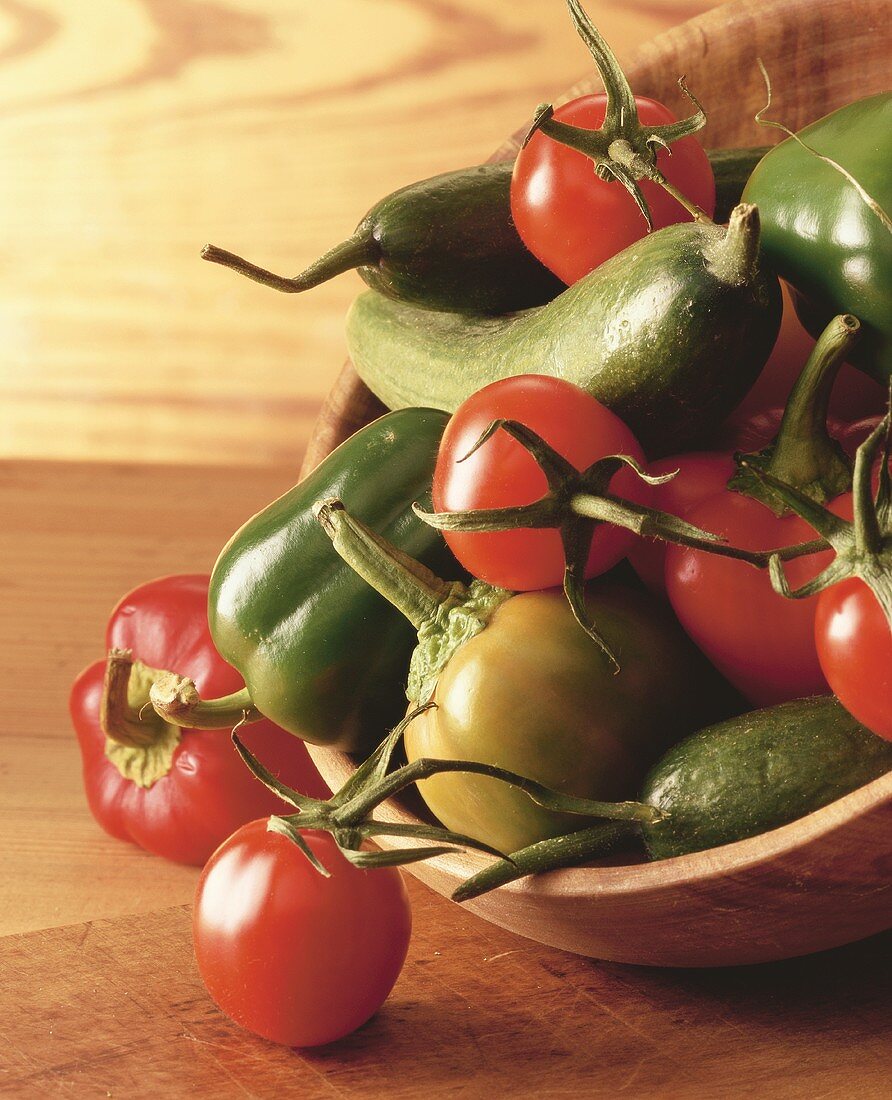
(826, 226)
(445, 243)
(449, 243)
(758, 772)
(731, 781)
(517, 684)
(321, 653)
(669, 335)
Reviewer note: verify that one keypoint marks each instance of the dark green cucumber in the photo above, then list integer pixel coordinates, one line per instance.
(757, 772)
(449, 243)
(731, 781)
(670, 334)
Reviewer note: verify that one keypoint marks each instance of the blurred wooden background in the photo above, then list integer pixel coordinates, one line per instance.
(133, 131)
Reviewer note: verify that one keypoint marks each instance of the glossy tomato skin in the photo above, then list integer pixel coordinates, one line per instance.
(760, 641)
(573, 221)
(854, 645)
(208, 792)
(698, 474)
(293, 956)
(533, 694)
(502, 473)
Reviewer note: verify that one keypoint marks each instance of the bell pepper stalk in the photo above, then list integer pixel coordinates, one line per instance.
(622, 149)
(347, 815)
(804, 454)
(864, 546)
(141, 746)
(577, 503)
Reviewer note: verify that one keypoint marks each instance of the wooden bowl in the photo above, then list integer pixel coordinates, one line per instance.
(826, 879)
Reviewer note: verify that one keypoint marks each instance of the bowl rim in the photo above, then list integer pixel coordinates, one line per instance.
(628, 879)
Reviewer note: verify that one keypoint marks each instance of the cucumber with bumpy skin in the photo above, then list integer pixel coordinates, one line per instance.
(734, 780)
(669, 334)
(757, 772)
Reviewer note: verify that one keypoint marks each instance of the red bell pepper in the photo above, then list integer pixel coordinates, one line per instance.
(178, 793)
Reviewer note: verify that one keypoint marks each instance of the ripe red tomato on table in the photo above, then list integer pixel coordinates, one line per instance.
(208, 791)
(502, 473)
(289, 954)
(572, 220)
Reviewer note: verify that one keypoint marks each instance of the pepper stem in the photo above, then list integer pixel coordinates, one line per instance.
(176, 699)
(137, 742)
(446, 614)
(410, 586)
(124, 692)
(803, 454)
(356, 251)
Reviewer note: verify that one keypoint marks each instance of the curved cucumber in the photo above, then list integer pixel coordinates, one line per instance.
(669, 334)
(449, 242)
(757, 772)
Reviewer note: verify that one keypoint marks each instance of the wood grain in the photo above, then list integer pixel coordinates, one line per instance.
(116, 1008)
(133, 131)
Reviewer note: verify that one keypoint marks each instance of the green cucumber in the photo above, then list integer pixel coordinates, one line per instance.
(449, 243)
(670, 334)
(757, 772)
(734, 780)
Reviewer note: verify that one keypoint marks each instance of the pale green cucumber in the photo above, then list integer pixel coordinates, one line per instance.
(669, 334)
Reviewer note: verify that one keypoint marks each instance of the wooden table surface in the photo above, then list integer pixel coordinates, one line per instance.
(150, 404)
(132, 132)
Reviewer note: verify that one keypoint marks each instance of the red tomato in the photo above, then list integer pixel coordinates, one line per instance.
(760, 641)
(854, 646)
(574, 221)
(289, 954)
(502, 473)
(700, 474)
(208, 792)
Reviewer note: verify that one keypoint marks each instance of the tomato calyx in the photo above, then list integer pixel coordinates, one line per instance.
(804, 454)
(864, 546)
(622, 149)
(141, 746)
(347, 815)
(577, 503)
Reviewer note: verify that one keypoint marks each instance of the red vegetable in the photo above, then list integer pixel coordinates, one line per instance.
(291, 955)
(760, 642)
(571, 219)
(178, 795)
(502, 473)
(854, 643)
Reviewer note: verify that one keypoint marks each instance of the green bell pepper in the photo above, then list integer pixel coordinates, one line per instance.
(827, 231)
(321, 653)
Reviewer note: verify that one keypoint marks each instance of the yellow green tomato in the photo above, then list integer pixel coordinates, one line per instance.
(533, 694)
